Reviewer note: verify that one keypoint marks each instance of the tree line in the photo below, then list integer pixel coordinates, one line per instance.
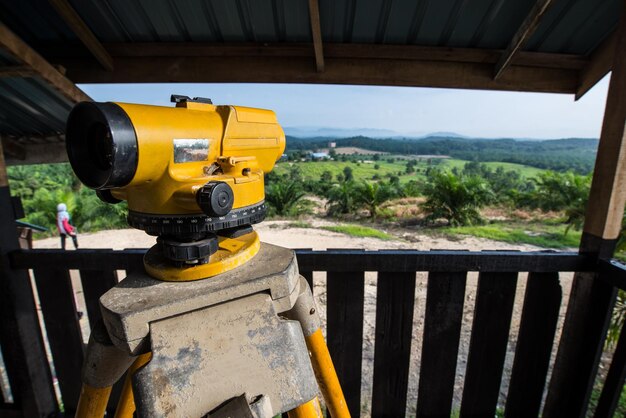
(570, 154)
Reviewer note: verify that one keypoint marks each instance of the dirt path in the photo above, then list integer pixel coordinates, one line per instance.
(280, 233)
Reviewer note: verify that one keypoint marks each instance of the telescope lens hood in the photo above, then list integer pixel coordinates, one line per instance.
(101, 145)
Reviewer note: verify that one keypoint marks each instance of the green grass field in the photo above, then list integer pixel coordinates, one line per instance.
(312, 170)
(358, 231)
(525, 170)
(541, 234)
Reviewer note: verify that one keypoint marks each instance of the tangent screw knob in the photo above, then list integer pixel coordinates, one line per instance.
(215, 198)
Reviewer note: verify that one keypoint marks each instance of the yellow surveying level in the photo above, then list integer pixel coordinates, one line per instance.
(246, 341)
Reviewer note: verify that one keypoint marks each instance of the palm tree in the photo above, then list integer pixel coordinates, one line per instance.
(341, 198)
(457, 199)
(285, 197)
(372, 195)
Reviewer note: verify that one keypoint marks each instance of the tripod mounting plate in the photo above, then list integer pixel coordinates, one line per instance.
(129, 308)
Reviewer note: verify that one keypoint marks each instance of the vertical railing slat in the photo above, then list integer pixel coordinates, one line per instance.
(95, 284)
(395, 297)
(58, 306)
(580, 347)
(135, 265)
(442, 330)
(614, 382)
(345, 299)
(540, 315)
(488, 343)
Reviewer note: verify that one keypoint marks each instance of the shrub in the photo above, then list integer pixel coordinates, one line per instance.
(560, 191)
(568, 192)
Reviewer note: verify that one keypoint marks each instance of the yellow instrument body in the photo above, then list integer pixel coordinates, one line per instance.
(241, 145)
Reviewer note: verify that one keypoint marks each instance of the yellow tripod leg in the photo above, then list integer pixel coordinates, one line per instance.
(326, 375)
(93, 401)
(126, 404)
(311, 409)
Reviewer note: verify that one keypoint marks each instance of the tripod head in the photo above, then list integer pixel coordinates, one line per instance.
(189, 173)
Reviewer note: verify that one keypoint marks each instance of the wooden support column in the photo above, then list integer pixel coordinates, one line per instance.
(20, 334)
(591, 300)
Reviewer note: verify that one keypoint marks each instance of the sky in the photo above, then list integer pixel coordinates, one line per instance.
(404, 110)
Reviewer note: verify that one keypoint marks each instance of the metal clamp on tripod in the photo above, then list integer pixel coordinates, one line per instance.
(220, 325)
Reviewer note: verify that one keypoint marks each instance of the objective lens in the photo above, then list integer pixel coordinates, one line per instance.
(100, 146)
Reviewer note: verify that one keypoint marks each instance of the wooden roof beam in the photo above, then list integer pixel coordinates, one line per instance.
(316, 34)
(600, 63)
(335, 50)
(363, 71)
(19, 153)
(523, 34)
(26, 56)
(82, 31)
(16, 71)
(13, 149)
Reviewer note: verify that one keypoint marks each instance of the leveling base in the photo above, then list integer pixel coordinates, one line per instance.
(231, 253)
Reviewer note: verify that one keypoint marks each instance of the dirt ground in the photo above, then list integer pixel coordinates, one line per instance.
(279, 233)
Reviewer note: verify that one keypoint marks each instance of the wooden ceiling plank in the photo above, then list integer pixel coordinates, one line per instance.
(83, 32)
(599, 65)
(316, 34)
(24, 54)
(523, 34)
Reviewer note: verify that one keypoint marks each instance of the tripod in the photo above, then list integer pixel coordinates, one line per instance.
(244, 343)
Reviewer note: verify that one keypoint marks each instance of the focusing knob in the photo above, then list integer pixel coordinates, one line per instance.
(215, 198)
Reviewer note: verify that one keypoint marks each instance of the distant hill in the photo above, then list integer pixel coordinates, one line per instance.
(577, 154)
(304, 132)
(334, 133)
(442, 135)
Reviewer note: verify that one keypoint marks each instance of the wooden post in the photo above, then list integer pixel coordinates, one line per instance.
(20, 334)
(591, 300)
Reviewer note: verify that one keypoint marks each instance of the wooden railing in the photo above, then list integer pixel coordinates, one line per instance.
(395, 298)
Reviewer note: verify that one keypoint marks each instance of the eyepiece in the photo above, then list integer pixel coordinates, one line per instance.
(101, 145)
